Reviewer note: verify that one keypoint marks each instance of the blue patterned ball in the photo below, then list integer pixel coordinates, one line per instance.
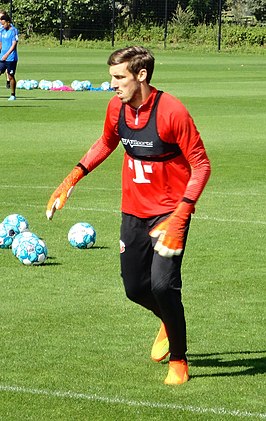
(7, 235)
(29, 249)
(82, 235)
(16, 222)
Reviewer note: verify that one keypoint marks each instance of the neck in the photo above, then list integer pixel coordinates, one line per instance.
(141, 97)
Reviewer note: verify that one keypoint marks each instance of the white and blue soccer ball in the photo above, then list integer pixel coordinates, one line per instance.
(7, 235)
(57, 84)
(82, 235)
(25, 235)
(29, 249)
(16, 222)
(77, 85)
(105, 86)
(27, 85)
(45, 85)
(20, 84)
(86, 85)
(34, 83)
(42, 84)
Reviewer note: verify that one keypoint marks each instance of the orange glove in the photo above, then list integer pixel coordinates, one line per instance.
(62, 193)
(171, 232)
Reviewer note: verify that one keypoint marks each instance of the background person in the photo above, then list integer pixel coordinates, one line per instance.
(4, 12)
(9, 55)
(165, 170)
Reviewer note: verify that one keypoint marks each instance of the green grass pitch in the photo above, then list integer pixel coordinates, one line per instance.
(72, 346)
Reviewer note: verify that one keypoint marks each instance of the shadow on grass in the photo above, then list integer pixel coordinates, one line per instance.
(243, 363)
(90, 249)
(99, 248)
(49, 262)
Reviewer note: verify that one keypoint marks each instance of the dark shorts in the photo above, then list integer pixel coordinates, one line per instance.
(10, 66)
(140, 265)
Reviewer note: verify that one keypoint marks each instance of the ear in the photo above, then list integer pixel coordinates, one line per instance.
(142, 75)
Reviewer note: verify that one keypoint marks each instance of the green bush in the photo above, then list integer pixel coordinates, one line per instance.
(178, 36)
(237, 35)
(179, 33)
(181, 25)
(205, 35)
(140, 33)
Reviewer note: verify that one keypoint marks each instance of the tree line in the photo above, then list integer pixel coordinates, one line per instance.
(94, 19)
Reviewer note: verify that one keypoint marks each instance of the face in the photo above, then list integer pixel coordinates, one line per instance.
(4, 23)
(126, 85)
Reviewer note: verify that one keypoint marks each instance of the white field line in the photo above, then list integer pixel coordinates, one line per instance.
(52, 188)
(234, 221)
(118, 189)
(90, 209)
(121, 401)
(205, 217)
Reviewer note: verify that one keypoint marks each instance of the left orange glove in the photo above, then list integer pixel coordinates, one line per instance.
(171, 232)
(62, 193)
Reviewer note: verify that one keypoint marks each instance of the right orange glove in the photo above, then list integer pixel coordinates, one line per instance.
(171, 232)
(62, 193)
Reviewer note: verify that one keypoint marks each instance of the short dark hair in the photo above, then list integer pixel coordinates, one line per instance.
(137, 57)
(5, 17)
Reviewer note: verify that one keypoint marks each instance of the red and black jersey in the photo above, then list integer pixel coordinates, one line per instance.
(144, 143)
(165, 159)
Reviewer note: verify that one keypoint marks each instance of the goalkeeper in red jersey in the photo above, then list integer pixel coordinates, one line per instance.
(165, 170)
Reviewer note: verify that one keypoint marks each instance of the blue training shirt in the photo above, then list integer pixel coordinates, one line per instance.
(7, 37)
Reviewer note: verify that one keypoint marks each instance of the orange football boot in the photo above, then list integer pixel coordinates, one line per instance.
(178, 373)
(160, 348)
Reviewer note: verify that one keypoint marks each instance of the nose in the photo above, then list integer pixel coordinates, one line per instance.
(114, 84)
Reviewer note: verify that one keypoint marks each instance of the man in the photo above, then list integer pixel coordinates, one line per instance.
(165, 170)
(9, 55)
(3, 12)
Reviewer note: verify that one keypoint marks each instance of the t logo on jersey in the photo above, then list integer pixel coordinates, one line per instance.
(140, 170)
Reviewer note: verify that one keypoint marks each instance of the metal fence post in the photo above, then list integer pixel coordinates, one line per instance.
(10, 9)
(113, 24)
(61, 21)
(165, 22)
(219, 23)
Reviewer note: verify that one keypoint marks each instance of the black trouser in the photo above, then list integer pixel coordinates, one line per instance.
(153, 281)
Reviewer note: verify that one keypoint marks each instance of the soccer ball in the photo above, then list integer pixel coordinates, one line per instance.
(45, 85)
(34, 84)
(20, 84)
(77, 85)
(25, 235)
(7, 235)
(105, 86)
(27, 85)
(57, 84)
(29, 249)
(16, 222)
(82, 235)
(86, 84)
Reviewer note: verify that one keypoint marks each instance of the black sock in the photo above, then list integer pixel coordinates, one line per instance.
(174, 357)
